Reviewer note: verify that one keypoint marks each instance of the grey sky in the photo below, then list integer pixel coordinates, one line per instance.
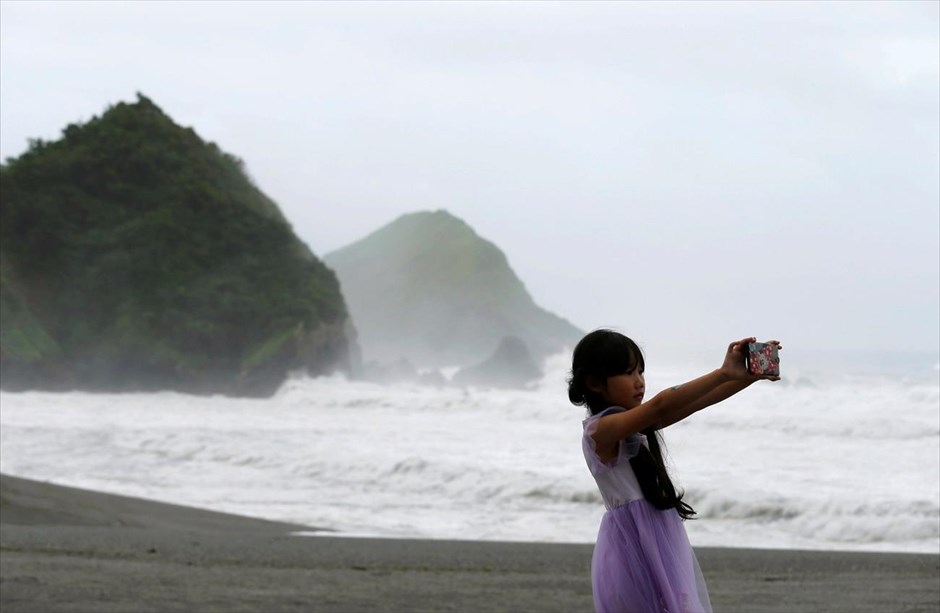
(687, 172)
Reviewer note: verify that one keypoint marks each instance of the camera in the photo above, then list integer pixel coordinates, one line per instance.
(762, 359)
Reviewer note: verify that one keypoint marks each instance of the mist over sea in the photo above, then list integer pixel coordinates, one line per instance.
(841, 456)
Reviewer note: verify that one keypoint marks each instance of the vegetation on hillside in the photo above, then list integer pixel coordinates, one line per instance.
(135, 255)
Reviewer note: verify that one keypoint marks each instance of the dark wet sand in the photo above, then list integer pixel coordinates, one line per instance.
(64, 549)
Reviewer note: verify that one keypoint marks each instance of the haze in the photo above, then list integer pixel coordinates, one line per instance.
(687, 172)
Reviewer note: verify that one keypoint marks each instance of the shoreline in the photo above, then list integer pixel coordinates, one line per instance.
(67, 549)
(322, 532)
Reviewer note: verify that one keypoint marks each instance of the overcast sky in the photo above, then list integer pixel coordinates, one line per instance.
(687, 172)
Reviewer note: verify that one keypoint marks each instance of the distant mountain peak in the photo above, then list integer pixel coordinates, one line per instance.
(426, 287)
(433, 226)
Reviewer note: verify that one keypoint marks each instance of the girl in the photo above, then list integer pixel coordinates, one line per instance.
(642, 560)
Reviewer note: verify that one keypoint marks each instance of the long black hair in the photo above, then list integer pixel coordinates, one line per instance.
(603, 354)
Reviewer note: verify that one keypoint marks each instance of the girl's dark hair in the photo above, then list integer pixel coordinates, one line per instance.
(603, 354)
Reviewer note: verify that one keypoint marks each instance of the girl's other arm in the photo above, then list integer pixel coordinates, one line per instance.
(722, 392)
(618, 426)
(672, 405)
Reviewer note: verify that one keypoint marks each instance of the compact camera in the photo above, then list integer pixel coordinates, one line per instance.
(762, 359)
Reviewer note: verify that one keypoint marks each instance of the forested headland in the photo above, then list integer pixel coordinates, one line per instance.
(136, 256)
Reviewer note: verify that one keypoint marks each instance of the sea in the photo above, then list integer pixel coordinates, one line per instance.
(833, 457)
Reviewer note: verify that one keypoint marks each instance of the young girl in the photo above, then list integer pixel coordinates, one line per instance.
(642, 560)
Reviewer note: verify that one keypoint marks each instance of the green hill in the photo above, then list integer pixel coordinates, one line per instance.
(427, 288)
(136, 256)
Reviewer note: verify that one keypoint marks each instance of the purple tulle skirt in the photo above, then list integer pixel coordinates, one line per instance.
(643, 563)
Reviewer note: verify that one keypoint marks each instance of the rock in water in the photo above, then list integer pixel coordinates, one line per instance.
(510, 366)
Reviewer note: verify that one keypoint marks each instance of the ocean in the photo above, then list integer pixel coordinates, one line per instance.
(840, 459)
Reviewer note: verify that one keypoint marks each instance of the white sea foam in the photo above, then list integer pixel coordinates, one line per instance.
(823, 461)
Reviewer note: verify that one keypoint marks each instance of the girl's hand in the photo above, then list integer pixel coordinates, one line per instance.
(735, 367)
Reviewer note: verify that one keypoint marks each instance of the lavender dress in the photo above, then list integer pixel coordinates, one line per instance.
(642, 560)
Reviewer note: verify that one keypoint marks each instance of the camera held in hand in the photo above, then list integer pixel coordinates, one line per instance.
(762, 359)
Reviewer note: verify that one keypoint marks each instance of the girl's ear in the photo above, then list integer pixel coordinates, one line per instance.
(595, 384)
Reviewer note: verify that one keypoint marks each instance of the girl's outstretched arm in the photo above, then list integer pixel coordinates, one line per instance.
(668, 406)
(722, 392)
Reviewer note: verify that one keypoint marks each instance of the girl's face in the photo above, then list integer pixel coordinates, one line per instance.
(625, 390)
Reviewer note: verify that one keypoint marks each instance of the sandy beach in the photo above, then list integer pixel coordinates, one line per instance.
(65, 549)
